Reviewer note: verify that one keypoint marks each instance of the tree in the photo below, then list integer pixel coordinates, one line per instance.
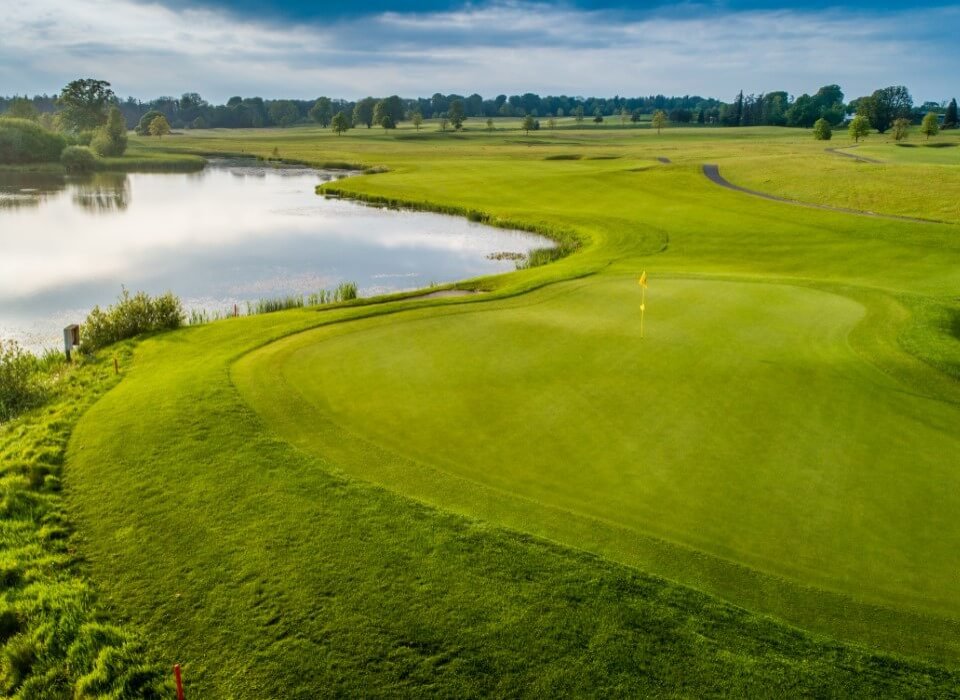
(22, 108)
(284, 112)
(737, 115)
(829, 103)
(578, 114)
(456, 114)
(393, 107)
(340, 123)
(529, 124)
(950, 120)
(659, 120)
(489, 124)
(84, 104)
(322, 111)
(444, 122)
(363, 112)
(900, 128)
(624, 116)
(597, 116)
(159, 127)
(884, 106)
(111, 140)
(143, 128)
(417, 118)
(804, 112)
(552, 123)
(822, 130)
(381, 115)
(930, 126)
(859, 127)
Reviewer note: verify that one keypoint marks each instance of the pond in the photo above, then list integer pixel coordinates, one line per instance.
(231, 233)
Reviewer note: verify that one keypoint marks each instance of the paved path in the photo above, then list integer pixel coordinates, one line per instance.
(837, 150)
(713, 174)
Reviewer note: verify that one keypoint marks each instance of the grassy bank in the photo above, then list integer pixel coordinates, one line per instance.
(138, 158)
(54, 640)
(781, 439)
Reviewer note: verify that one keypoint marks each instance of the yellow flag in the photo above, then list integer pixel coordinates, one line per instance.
(643, 279)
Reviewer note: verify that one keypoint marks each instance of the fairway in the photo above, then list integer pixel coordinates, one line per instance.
(399, 486)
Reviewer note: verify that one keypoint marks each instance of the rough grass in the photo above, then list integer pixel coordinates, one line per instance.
(922, 182)
(284, 573)
(54, 642)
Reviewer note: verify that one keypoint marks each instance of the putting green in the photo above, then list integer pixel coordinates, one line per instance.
(742, 446)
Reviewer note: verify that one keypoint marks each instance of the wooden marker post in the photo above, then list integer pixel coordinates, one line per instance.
(179, 680)
(116, 366)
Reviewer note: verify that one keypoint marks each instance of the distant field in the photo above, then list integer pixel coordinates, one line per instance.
(474, 496)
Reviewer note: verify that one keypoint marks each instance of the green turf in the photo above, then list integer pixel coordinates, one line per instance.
(784, 437)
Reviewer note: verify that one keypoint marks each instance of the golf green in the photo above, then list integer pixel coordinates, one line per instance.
(743, 426)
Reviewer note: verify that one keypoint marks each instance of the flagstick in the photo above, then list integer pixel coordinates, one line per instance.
(643, 307)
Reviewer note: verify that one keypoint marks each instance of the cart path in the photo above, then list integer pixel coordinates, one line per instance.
(713, 174)
(839, 151)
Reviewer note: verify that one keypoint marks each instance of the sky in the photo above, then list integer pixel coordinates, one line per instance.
(302, 49)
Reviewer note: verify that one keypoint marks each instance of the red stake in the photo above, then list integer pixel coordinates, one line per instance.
(176, 676)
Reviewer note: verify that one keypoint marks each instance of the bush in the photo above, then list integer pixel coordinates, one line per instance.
(24, 141)
(129, 317)
(101, 144)
(78, 159)
(143, 127)
(822, 130)
(80, 138)
(111, 139)
(21, 381)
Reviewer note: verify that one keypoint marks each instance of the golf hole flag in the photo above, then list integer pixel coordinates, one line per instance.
(643, 297)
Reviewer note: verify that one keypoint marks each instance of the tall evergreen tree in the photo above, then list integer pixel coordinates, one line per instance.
(950, 119)
(738, 110)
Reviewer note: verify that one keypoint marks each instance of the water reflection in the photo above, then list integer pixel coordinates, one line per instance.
(228, 234)
(18, 190)
(102, 193)
(96, 192)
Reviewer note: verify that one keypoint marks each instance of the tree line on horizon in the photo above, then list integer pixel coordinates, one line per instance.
(882, 108)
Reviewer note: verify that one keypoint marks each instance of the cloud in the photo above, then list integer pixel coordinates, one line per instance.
(152, 49)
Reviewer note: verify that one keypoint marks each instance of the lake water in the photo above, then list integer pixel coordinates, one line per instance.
(229, 234)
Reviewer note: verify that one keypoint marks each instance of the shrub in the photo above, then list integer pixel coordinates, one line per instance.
(80, 138)
(111, 139)
(129, 317)
(21, 383)
(822, 130)
(143, 127)
(78, 159)
(101, 144)
(24, 141)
